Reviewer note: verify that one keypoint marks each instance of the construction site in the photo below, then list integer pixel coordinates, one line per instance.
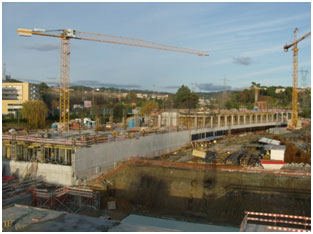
(160, 174)
(229, 170)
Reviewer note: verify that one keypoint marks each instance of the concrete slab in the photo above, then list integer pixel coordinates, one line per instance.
(32, 219)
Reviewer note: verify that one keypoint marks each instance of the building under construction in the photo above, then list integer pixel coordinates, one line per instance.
(72, 157)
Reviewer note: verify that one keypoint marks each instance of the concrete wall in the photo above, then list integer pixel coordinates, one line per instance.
(90, 162)
(99, 158)
(55, 174)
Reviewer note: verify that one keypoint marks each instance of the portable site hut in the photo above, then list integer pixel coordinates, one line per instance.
(277, 152)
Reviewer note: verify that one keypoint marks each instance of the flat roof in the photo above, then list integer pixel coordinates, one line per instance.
(207, 139)
(269, 141)
(275, 147)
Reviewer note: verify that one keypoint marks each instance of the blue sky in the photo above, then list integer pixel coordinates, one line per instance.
(245, 42)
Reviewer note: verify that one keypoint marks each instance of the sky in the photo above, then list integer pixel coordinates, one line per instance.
(244, 41)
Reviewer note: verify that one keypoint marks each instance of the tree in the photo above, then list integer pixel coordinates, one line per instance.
(228, 105)
(184, 98)
(43, 89)
(35, 113)
(149, 107)
(254, 84)
(118, 111)
(131, 97)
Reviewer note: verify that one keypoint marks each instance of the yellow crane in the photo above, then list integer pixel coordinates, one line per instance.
(66, 34)
(295, 75)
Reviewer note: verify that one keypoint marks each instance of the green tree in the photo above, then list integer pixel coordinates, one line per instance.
(131, 97)
(43, 89)
(118, 111)
(228, 105)
(149, 107)
(184, 98)
(35, 113)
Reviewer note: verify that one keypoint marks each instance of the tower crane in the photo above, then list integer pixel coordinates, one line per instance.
(66, 34)
(295, 75)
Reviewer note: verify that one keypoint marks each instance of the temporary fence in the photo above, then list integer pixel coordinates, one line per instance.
(284, 229)
(279, 222)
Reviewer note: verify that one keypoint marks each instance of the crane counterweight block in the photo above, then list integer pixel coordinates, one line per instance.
(24, 32)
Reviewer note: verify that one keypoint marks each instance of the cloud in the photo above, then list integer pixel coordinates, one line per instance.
(242, 60)
(287, 67)
(41, 47)
(95, 83)
(211, 87)
(171, 87)
(257, 26)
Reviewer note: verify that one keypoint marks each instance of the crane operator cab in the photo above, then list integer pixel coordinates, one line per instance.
(70, 33)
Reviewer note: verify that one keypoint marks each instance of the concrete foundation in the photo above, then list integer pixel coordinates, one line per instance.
(54, 174)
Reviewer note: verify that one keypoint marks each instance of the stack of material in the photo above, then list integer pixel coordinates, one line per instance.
(208, 156)
(236, 157)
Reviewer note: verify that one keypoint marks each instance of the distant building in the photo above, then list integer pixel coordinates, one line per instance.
(124, 95)
(15, 94)
(162, 97)
(6, 78)
(139, 95)
(280, 90)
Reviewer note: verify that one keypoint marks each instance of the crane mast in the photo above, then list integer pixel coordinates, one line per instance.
(65, 50)
(295, 75)
(64, 90)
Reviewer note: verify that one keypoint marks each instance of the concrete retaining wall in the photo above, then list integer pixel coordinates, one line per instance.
(90, 162)
(55, 174)
(99, 158)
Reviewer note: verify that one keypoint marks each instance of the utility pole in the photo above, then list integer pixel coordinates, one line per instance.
(4, 72)
(224, 91)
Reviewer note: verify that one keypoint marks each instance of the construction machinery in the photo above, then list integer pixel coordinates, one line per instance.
(294, 119)
(66, 34)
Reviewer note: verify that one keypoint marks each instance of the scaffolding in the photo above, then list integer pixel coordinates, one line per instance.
(15, 187)
(70, 199)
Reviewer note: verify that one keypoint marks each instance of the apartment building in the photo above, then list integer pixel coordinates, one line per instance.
(15, 94)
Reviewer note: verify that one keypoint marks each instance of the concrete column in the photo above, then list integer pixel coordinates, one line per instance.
(232, 120)
(196, 121)
(244, 119)
(203, 121)
(266, 118)
(211, 123)
(159, 121)
(218, 121)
